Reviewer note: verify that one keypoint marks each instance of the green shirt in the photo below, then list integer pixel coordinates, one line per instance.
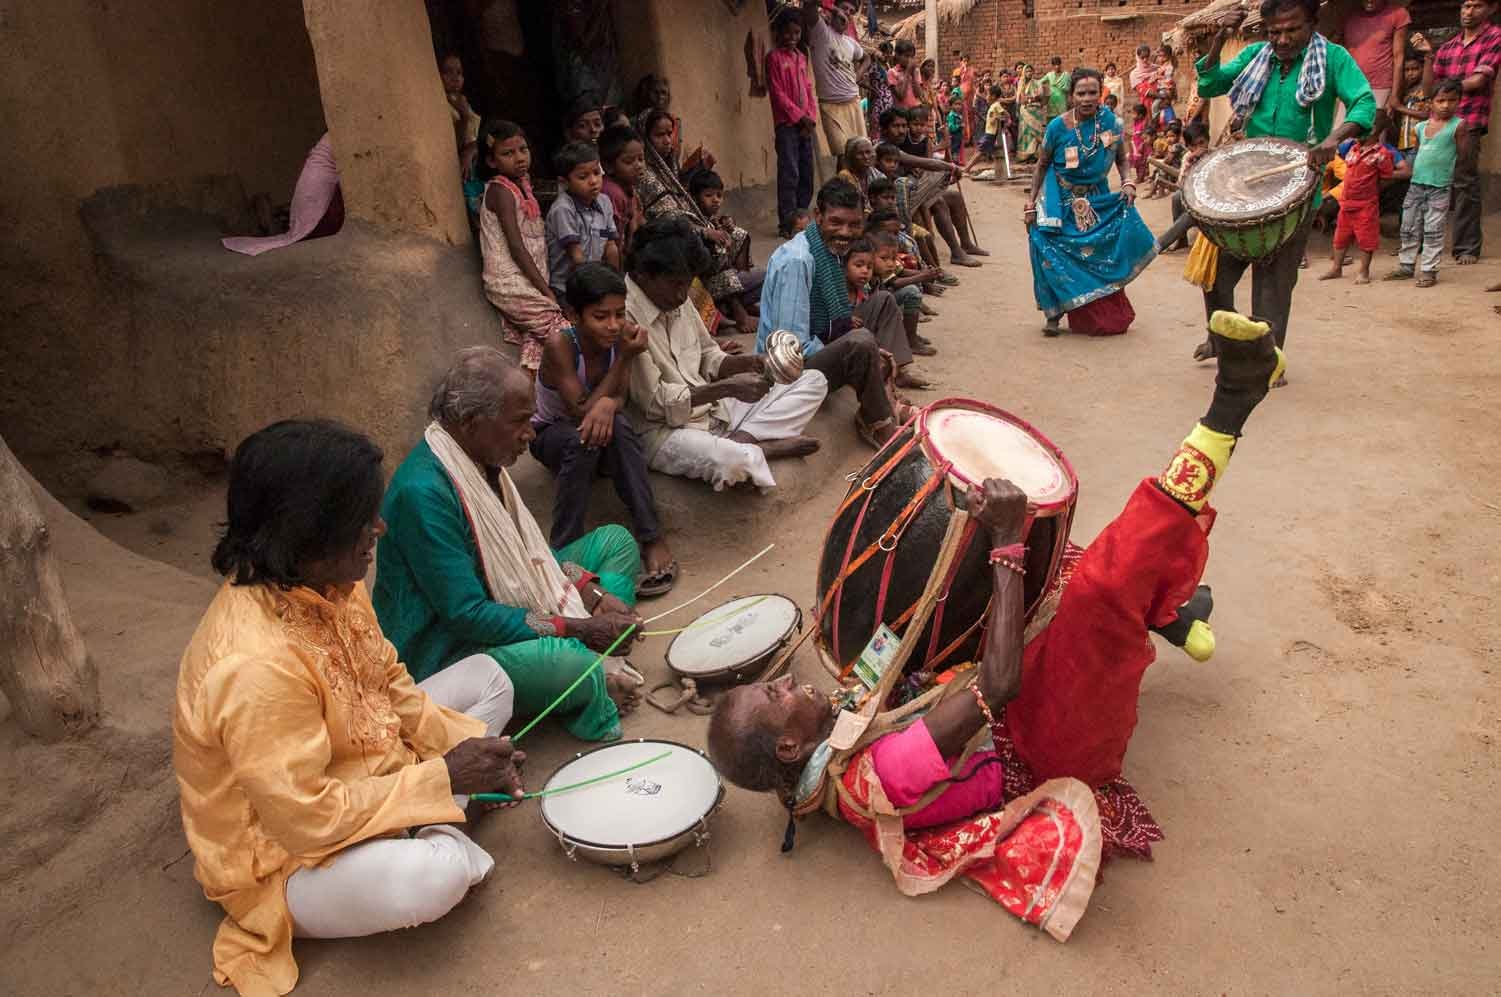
(1278, 114)
(1434, 165)
(1057, 83)
(430, 594)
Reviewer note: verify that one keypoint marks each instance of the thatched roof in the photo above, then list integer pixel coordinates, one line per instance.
(948, 10)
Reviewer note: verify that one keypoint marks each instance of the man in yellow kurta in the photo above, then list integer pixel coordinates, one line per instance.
(317, 779)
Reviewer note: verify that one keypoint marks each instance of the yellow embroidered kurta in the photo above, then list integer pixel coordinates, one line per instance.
(296, 733)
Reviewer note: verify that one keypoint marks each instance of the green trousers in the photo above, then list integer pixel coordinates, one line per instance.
(541, 669)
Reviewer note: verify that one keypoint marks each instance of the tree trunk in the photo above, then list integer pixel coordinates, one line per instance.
(45, 670)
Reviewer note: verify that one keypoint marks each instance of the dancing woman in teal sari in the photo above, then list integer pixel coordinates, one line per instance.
(1087, 242)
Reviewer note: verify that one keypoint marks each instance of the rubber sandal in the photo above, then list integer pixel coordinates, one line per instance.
(658, 582)
(1427, 280)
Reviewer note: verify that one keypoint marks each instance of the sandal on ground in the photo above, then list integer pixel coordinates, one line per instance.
(867, 431)
(1427, 280)
(1399, 274)
(658, 582)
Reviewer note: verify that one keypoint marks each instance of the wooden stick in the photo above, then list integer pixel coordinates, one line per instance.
(1274, 171)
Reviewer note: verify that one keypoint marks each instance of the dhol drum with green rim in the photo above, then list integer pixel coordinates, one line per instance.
(1250, 197)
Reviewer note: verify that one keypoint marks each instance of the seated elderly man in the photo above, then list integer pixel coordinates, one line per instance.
(298, 737)
(703, 413)
(465, 568)
(1018, 817)
(806, 293)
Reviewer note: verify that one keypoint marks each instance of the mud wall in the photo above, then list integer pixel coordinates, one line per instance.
(701, 49)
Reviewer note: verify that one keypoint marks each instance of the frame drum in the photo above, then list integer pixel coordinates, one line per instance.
(641, 816)
(734, 642)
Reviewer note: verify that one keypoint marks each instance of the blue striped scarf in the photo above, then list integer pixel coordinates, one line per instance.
(830, 295)
(1248, 87)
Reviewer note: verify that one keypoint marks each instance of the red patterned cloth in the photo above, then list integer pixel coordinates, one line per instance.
(1038, 857)
(1111, 315)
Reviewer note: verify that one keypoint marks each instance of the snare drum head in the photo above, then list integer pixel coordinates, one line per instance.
(734, 634)
(1215, 189)
(654, 803)
(988, 444)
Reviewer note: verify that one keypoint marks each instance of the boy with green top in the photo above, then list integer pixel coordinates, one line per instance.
(1425, 212)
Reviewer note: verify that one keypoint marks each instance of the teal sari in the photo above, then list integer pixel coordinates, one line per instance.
(1088, 243)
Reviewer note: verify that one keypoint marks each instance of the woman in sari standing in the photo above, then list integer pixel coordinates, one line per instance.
(663, 195)
(1087, 242)
(1032, 118)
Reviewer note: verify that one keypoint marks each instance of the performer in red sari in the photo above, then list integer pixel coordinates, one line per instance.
(1028, 818)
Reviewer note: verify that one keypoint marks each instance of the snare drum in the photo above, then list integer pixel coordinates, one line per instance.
(1250, 221)
(736, 641)
(888, 532)
(640, 816)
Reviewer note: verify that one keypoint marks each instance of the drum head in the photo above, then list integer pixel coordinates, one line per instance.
(1216, 190)
(651, 804)
(988, 443)
(732, 635)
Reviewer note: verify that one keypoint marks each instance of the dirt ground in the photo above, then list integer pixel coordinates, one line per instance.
(1328, 783)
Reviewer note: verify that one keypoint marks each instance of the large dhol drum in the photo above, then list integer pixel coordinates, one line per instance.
(887, 533)
(1251, 196)
(643, 815)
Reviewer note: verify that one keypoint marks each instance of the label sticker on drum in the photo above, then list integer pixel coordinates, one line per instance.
(878, 654)
(848, 727)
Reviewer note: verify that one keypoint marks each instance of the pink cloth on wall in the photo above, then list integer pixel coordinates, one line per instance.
(908, 764)
(317, 188)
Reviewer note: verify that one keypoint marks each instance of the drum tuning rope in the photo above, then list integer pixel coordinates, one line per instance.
(623, 635)
(539, 794)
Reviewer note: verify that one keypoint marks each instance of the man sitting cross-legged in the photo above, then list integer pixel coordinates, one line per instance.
(465, 569)
(1060, 707)
(701, 412)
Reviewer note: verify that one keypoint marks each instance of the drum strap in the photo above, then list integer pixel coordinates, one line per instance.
(892, 536)
(964, 541)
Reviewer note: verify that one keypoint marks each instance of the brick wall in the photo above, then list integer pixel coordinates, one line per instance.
(1003, 32)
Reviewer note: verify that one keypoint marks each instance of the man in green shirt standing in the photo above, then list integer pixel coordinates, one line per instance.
(1057, 83)
(1284, 87)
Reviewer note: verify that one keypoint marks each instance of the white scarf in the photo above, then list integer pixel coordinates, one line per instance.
(520, 569)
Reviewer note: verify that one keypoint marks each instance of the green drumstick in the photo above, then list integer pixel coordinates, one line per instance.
(503, 798)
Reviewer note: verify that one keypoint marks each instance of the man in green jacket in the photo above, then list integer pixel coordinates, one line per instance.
(1284, 87)
(464, 568)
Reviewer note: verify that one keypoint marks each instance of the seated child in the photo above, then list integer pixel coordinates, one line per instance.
(623, 157)
(1366, 166)
(888, 161)
(707, 190)
(889, 275)
(581, 424)
(858, 265)
(513, 241)
(800, 219)
(584, 121)
(581, 222)
(1196, 141)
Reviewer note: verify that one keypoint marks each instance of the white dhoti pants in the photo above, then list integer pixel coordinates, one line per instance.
(784, 412)
(395, 883)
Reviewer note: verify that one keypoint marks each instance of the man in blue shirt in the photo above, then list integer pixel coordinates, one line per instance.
(805, 291)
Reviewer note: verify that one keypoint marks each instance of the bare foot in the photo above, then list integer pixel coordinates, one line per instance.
(656, 557)
(964, 261)
(622, 690)
(793, 446)
(1467, 260)
(1363, 278)
(1333, 273)
(911, 381)
(729, 346)
(976, 251)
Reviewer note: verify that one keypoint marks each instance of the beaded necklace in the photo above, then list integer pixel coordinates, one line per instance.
(1094, 138)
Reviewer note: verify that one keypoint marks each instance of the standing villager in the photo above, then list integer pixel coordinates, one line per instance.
(317, 780)
(1087, 242)
(1058, 83)
(1376, 36)
(794, 117)
(1286, 87)
(465, 569)
(1474, 57)
(1425, 211)
(838, 61)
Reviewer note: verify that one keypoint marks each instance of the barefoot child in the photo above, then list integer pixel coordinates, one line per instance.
(1366, 166)
(582, 428)
(996, 119)
(707, 190)
(581, 222)
(623, 157)
(1425, 212)
(513, 242)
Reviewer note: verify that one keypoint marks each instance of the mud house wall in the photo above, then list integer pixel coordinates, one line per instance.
(95, 94)
(999, 33)
(700, 47)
